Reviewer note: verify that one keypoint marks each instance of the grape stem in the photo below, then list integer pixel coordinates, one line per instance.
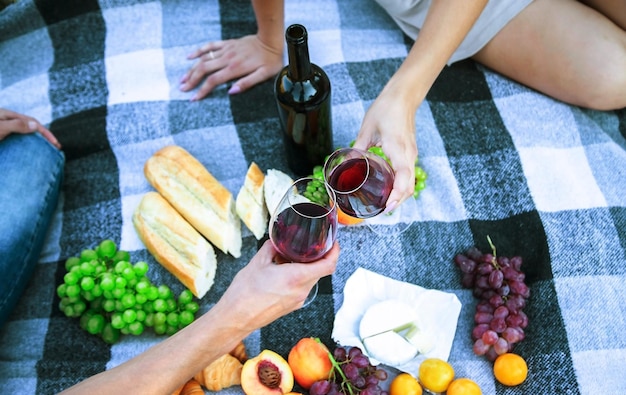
(337, 367)
(494, 261)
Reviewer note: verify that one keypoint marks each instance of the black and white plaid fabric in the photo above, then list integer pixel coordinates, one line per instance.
(545, 180)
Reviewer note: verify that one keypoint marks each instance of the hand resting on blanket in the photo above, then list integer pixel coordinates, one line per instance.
(253, 59)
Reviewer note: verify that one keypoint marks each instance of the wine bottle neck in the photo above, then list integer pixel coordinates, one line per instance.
(298, 52)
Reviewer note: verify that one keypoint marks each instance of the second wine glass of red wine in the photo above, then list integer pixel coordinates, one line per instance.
(362, 182)
(303, 227)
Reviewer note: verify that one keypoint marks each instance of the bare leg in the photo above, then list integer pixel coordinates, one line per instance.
(615, 10)
(566, 50)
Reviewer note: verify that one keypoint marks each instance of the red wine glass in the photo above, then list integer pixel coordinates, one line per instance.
(362, 182)
(303, 228)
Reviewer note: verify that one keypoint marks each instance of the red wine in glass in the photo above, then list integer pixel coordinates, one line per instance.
(302, 232)
(303, 229)
(361, 181)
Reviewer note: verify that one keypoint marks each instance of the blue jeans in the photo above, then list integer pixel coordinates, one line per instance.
(31, 172)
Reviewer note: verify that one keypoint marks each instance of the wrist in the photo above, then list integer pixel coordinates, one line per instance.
(216, 332)
(271, 45)
(270, 17)
(404, 94)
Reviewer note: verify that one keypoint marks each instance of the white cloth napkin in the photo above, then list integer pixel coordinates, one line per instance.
(437, 313)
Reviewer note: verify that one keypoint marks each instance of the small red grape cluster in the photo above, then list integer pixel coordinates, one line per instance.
(498, 283)
(353, 374)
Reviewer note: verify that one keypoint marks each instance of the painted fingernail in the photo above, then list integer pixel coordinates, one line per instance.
(234, 90)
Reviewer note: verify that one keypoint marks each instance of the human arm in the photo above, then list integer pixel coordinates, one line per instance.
(12, 122)
(259, 294)
(390, 120)
(253, 58)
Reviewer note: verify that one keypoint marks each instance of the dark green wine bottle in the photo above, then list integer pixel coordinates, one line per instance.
(303, 95)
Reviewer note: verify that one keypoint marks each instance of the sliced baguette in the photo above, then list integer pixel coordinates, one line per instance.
(250, 202)
(175, 244)
(204, 202)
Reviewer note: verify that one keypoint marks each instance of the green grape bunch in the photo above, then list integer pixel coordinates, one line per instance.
(112, 296)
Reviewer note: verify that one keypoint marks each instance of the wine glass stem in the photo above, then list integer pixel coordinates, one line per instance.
(311, 296)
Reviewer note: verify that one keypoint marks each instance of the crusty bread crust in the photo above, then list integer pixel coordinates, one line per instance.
(198, 196)
(175, 244)
(250, 202)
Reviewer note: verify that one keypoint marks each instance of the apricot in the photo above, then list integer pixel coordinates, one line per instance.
(266, 374)
(309, 362)
(346, 219)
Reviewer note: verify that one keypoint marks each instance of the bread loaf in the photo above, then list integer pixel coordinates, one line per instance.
(175, 244)
(250, 204)
(204, 202)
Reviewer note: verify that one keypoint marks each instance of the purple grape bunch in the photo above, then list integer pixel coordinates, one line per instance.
(353, 374)
(498, 283)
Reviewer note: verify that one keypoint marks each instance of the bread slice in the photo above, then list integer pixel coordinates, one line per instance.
(276, 184)
(198, 196)
(175, 244)
(250, 204)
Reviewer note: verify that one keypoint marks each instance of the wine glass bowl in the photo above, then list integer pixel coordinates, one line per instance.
(361, 180)
(303, 228)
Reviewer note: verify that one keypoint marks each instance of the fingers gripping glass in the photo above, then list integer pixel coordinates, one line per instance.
(303, 228)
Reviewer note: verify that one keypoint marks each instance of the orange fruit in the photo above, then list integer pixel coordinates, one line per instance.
(510, 369)
(435, 374)
(346, 219)
(463, 386)
(405, 384)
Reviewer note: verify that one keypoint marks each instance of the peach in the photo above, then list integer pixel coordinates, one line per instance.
(309, 362)
(266, 374)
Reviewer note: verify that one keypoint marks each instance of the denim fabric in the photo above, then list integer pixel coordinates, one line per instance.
(31, 172)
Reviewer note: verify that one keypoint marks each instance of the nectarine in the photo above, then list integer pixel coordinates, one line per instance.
(309, 362)
(266, 374)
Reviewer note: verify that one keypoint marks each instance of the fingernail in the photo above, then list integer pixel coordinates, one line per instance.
(32, 125)
(194, 98)
(391, 206)
(234, 90)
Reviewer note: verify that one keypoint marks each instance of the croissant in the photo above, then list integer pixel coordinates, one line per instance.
(222, 373)
(239, 352)
(191, 387)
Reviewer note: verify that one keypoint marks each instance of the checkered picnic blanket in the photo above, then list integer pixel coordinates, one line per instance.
(545, 180)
